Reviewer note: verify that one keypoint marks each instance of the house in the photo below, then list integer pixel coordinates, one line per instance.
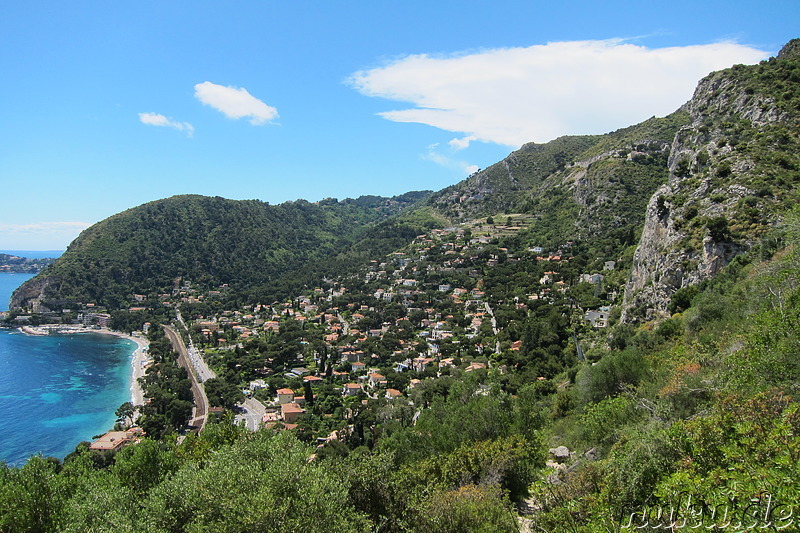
(475, 366)
(314, 380)
(376, 380)
(270, 417)
(358, 367)
(114, 441)
(420, 363)
(258, 384)
(609, 265)
(351, 389)
(591, 278)
(290, 412)
(393, 393)
(285, 396)
(597, 319)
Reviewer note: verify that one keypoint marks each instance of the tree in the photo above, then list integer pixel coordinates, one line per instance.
(143, 466)
(125, 413)
(308, 393)
(222, 393)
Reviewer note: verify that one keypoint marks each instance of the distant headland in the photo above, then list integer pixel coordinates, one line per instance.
(26, 262)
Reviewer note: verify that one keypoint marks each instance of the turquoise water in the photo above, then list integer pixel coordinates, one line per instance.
(58, 390)
(9, 282)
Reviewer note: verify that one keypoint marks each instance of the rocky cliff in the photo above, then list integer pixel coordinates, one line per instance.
(733, 173)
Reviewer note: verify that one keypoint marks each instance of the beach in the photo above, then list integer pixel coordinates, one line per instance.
(139, 359)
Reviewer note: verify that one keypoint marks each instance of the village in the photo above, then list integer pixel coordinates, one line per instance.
(439, 308)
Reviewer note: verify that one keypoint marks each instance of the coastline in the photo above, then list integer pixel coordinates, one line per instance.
(139, 358)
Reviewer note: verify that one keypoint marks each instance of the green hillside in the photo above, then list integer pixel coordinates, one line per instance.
(247, 244)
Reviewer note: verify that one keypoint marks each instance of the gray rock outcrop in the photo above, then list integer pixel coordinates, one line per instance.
(710, 210)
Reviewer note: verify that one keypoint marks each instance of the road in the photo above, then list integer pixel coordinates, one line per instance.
(252, 413)
(200, 411)
(494, 326)
(198, 363)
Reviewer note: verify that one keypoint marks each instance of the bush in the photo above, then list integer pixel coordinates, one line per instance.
(670, 328)
(603, 422)
(611, 375)
(480, 509)
(681, 299)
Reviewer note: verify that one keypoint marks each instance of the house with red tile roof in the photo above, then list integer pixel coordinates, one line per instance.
(351, 389)
(114, 441)
(285, 396)
(290, 412)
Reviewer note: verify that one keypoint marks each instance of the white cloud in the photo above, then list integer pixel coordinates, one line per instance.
(462, 143)
(440, 159)
(235, 102)
(512, 96)
(156, 119)
(40, 235)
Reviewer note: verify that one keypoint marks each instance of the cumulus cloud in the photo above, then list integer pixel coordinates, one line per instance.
(156, 119)
(512, 96)
(235, 102)
(462, 143)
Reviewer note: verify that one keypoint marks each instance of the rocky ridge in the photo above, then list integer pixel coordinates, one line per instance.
(730, 171)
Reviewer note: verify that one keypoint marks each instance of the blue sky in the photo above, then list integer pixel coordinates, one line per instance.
(107, 105)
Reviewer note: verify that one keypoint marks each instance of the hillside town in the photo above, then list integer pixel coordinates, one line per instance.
(453, 303)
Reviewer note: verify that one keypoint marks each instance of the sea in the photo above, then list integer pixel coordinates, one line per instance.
(57, 390)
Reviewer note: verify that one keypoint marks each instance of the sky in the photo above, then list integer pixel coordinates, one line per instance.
(107, 105)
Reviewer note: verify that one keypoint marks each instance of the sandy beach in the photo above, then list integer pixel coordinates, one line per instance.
(139, 359)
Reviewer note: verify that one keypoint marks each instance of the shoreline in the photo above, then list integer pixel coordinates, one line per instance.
(139, 358)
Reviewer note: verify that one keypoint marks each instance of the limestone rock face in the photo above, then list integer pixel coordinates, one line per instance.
(719, 199)
(29, 295)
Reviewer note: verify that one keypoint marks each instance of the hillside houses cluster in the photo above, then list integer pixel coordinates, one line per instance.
(439, 307)
(420, 313)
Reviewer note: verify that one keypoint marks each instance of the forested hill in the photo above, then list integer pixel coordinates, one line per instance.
(247, 244)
